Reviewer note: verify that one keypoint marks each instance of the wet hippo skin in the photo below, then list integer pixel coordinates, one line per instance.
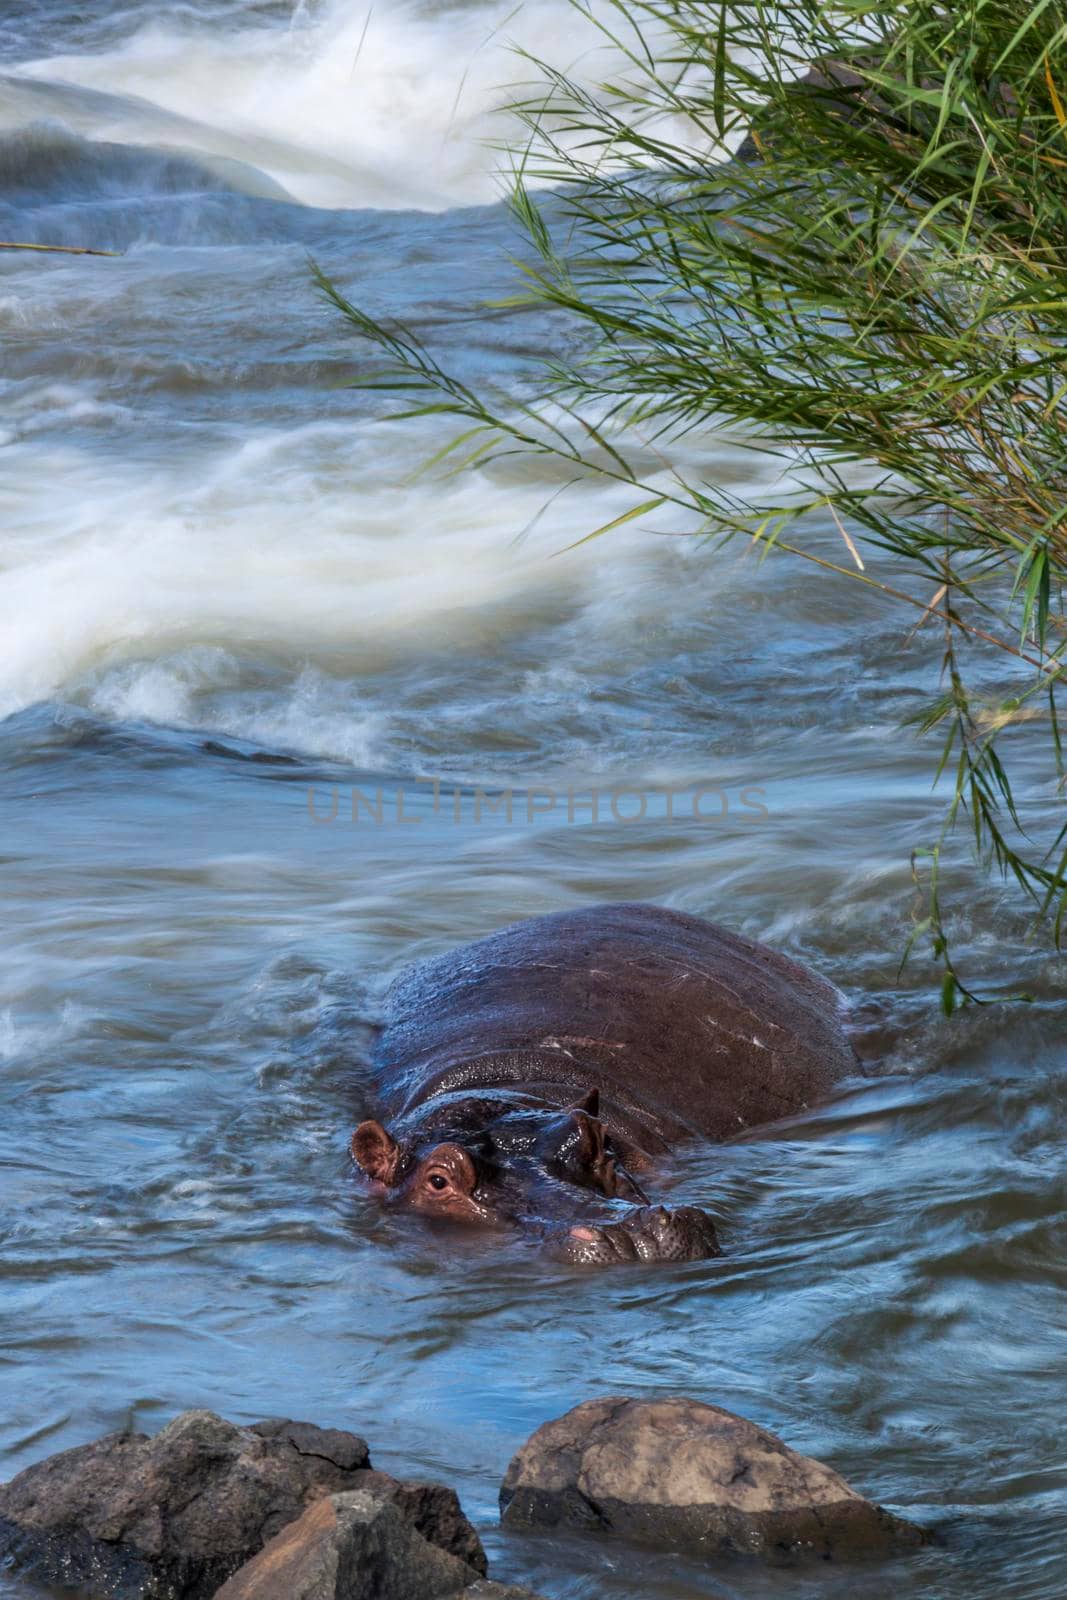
(546, 1068)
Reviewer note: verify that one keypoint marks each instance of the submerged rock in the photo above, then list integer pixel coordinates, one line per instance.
(691, 1476)
(172, 1517)
(488, 1591)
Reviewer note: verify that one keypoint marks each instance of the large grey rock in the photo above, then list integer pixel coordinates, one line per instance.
(355, 1546)
(691, 1476)
(172, 1517)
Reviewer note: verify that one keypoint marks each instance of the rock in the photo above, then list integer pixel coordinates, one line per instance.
(355, 1546)
(174, 1516)
(434, 1510)
(848, 91)
(840, 89)
(693, 1477)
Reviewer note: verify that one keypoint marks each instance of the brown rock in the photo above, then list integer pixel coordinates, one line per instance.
(172, 1517)
(356, 1546)
(434, 1510)
(691, 1476)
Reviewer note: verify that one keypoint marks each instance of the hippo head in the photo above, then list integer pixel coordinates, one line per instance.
(557, 1175)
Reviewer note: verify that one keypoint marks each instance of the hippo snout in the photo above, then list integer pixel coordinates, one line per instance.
(648, 1233)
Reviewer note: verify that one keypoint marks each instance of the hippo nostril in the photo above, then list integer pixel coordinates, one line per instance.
(627, 1246)
(687, 1234)
(645, 1233)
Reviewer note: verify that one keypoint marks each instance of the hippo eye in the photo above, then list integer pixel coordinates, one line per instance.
(448, 1172)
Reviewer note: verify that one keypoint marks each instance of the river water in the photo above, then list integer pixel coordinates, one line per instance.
(225, 591)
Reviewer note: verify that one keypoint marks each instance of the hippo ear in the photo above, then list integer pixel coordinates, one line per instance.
(376, 1151)
(592, 1139)
(589, 1103)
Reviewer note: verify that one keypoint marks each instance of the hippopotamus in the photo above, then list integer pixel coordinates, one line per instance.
(534, 1080)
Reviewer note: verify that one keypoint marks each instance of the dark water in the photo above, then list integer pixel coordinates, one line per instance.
(222, 583)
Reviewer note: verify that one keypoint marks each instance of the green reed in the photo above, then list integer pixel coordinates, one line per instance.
(875, 292)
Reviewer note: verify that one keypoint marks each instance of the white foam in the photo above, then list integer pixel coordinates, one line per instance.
(310, 552)
(353, 104)
(19, 1037)
(162, 691)
(318, 715)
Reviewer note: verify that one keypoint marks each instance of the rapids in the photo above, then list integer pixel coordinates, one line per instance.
(229, 599)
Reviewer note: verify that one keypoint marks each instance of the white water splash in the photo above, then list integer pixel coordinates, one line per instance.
(349, 105)
(150, 587)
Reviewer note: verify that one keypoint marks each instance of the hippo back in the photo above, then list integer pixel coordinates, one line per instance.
(685, 1027)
